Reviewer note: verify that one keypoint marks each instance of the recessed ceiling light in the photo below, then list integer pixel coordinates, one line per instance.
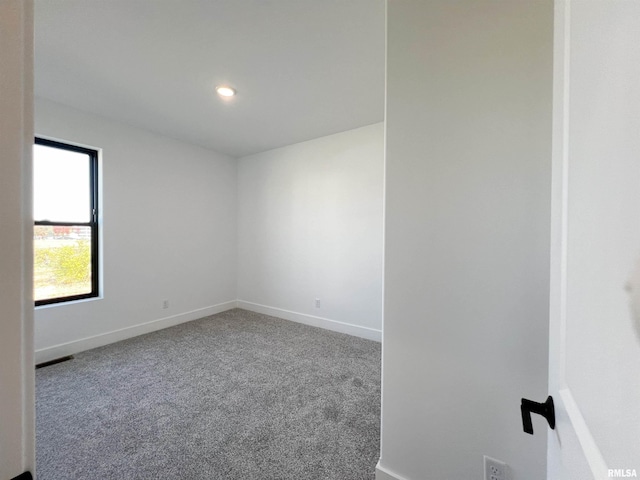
(225, 91)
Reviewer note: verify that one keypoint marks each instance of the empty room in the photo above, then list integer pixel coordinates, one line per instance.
(334, 240)
(234, 216)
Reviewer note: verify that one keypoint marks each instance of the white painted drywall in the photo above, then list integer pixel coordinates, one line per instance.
(310, 226)
(157, 69)
(17, 453)
(168, 227)
(468, 134)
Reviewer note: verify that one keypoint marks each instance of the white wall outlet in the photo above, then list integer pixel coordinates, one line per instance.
(317, 303)
(165, 304)
(495, 469)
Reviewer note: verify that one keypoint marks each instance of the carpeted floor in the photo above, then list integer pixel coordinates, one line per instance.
(237, 395)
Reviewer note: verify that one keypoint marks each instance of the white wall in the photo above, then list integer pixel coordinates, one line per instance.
(310, 226)
(467, 235)
(169, 232)
(16, 278)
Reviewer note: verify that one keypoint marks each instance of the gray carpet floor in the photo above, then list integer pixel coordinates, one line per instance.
(236, 395)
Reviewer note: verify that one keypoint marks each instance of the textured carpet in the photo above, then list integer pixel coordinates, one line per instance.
(237, 395)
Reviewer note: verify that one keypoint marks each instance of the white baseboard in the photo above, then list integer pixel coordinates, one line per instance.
(384, 474)
(76, 346)
(334, 325)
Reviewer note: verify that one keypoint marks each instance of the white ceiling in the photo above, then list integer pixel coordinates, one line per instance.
(302, 68)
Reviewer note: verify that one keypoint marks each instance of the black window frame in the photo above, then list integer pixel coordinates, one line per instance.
(92, 223)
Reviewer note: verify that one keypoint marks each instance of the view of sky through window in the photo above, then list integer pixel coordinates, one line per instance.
(60, 185)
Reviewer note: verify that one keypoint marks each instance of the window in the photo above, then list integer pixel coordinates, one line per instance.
(65, 210)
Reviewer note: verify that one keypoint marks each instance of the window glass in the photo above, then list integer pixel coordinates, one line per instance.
(61, 185)
(65, 235)
(62, 261)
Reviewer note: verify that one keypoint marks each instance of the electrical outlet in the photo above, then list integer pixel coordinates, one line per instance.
(165, 304)
(495, 469)
(317, 303)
